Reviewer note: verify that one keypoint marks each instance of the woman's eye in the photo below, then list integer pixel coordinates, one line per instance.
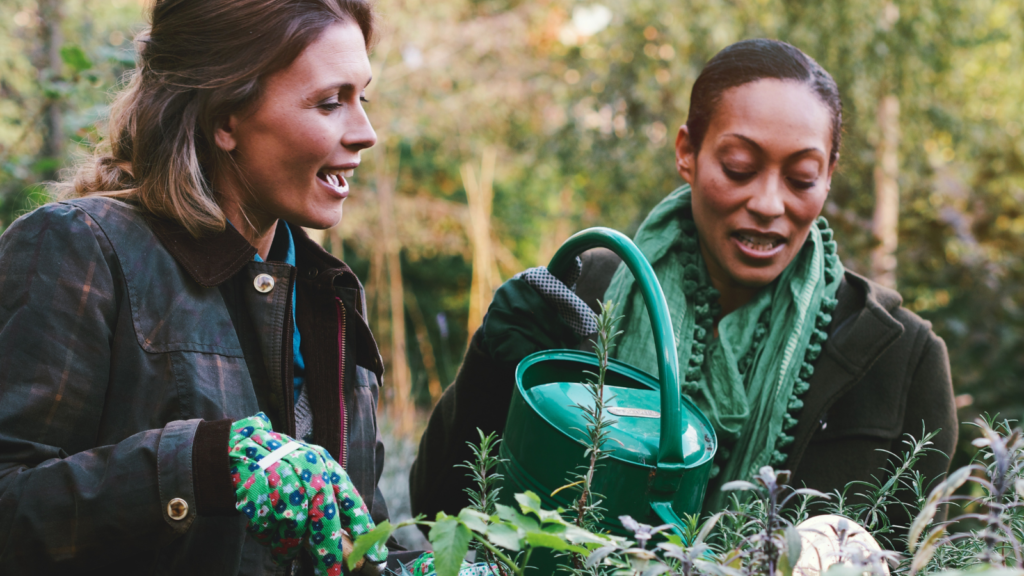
(737, 175)
(364, 99)
(330, 106)
(802, 184)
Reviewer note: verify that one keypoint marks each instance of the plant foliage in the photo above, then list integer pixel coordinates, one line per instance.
(758, 534)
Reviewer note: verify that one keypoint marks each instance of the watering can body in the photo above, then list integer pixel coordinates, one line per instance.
(661, 445)
(545, 438)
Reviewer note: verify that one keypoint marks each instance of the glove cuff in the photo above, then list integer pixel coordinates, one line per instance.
(211, 469)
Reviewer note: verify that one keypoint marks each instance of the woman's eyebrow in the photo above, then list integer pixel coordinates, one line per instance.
(759, 148)
(344, 86)
(745, 139)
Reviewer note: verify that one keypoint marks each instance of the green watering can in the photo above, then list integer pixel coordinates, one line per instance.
(662, 445)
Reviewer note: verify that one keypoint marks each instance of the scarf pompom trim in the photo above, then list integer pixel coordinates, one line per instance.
(706, 308)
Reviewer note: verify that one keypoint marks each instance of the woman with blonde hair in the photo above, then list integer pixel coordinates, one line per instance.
(188, 383)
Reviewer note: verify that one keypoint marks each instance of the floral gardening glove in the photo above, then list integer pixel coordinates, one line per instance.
(295, 494)
(424, 566)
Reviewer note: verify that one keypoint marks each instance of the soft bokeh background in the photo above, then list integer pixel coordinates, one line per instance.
(506, 125)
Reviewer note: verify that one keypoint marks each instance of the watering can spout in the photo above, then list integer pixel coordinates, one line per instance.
(663, 510)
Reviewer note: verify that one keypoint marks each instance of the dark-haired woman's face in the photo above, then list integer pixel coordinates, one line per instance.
(760, 179)
(302, 141)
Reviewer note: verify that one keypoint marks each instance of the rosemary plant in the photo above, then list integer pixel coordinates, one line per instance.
(484, 497)
(587, 506)
(874, 497)
(482, 470)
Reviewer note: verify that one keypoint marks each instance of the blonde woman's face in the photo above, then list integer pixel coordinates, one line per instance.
(298, 147)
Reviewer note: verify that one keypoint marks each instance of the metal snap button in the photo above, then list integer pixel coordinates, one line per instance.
(177, 509)
(264, 283)
(312, 272)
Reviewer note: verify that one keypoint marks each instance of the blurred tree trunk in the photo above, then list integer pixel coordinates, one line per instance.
(419, 324)
(401, 405)
(479, 194)
(887, 198)
(561, 231)
(48, 64)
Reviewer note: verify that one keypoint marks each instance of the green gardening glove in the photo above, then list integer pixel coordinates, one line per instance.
(295, 495)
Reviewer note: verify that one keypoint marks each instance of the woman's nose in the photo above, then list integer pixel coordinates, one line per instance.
(359, 134)
(767, 202)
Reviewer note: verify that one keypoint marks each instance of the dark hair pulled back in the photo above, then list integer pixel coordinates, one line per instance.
(752, 60)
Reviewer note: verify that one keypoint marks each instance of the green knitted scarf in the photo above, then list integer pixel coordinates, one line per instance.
(750, 378)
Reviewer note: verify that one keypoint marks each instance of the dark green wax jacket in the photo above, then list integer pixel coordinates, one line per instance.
(883, 374)
(126, 350)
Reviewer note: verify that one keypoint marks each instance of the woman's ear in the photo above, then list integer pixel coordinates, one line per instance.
(831, 169)
(224, 134)
(686, 155)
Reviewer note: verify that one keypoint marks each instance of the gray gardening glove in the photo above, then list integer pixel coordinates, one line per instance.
(536, 311)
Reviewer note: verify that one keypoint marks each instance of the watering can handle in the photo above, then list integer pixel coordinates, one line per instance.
(670, 452)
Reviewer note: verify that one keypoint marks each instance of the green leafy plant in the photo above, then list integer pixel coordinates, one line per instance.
(503, 534)
(757, 534)
(774, 544)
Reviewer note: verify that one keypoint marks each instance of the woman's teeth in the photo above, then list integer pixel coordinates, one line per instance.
(759, 244)
(336, 178)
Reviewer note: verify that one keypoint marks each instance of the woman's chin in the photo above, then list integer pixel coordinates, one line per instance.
(751, 277)
(321, 220)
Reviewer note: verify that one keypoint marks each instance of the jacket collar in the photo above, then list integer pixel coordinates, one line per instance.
(864, 323)
(209, 260)
(212, 259)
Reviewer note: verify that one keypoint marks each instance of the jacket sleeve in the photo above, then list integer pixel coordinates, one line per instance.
(478, 398)
(63, 499)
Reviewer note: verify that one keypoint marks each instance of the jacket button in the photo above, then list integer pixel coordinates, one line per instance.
(264, 283)
(312, 272)
(177, 509)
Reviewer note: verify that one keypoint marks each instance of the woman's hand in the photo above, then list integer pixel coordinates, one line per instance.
(536, 311)
(295, 494)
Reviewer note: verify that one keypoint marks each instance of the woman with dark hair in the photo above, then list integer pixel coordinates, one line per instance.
(799, 363)
(188, 383)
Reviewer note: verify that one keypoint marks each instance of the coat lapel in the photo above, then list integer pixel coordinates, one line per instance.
(862, 330)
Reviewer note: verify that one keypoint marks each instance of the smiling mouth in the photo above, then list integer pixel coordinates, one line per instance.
(759, 243)
(336, 179)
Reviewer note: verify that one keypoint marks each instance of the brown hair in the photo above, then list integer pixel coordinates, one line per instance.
(198, 62)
